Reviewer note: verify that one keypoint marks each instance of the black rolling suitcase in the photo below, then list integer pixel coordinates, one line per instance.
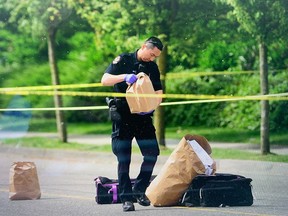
(219, 190)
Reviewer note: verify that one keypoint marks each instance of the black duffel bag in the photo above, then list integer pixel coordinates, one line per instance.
(219, 190)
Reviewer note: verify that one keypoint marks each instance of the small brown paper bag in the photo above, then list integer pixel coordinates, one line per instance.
(23, 182)
(180, 169)
(138, 103)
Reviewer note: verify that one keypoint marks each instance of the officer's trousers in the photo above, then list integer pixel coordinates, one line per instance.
(141, 128)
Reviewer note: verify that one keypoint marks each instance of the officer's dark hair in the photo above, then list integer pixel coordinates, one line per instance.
(155, 42)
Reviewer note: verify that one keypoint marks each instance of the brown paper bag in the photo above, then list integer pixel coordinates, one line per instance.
(176, 175)
(138, 103)
(23, 182)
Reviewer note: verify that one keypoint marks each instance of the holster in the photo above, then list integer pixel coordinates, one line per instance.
(114, 114)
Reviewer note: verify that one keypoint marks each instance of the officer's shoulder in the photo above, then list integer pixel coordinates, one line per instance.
(122, 58)
(152, 64)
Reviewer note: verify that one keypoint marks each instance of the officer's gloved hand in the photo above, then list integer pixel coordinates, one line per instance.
(130, 78)
(146, 113)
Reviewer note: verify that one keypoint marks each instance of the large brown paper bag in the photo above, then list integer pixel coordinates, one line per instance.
(23, 181)
(138, 103)
(179, 170)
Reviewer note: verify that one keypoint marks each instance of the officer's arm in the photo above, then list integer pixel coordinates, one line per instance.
(159, 92)
(110, 80)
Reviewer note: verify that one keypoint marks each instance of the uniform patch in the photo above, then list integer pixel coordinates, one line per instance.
(116, 60)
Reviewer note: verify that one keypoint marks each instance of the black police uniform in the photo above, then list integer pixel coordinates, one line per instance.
(133, 125)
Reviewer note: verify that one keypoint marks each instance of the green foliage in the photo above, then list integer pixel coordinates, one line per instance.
(243, 114)
(72, 72)
(219, 56)
(82, 48)
(17, 49)
(37, 17)
(103, 17)
(278, 55)
(198, 113)
(30, 76)
(197, 34)
(266, 20)
(191, 37)
(81, 68)
(278, 109)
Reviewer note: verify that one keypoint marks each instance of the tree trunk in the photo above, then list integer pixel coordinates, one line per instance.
(61, 125)
(264, 131)
(159, 112)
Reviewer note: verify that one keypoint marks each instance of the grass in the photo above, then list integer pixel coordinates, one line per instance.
(246, 155)
(95, 128)
(229, 135)
(47, 125)
(42, 142)
(212, 134)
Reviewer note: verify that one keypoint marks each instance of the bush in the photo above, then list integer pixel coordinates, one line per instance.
(278, 109)
(243, 114)
(219, 56)
(70, 73)
(197, 113)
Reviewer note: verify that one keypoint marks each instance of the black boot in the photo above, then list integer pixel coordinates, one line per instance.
(141, 197)
(128, 206)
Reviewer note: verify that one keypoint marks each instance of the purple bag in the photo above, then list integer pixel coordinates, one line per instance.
(107, 191)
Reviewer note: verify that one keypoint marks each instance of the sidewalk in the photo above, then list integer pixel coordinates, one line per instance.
(170, 143)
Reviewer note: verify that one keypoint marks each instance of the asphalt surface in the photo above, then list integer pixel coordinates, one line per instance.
(67, 184)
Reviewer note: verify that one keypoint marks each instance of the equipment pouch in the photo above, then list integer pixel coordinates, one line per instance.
(114, 114)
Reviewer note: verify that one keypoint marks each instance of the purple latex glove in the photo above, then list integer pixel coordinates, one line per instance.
(145, 113)
(130, 78)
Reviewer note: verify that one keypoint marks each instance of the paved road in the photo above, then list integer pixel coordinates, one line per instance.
(67, 186)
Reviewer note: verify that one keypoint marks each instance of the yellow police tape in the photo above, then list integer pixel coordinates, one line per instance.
(200, 98)
(118, 94)
(106, 107)
(89, 85)
(42, 90)
(50, 87)
(212, 73)
(59, 108)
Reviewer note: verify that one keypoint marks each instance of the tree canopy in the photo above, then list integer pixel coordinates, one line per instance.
(208, 35)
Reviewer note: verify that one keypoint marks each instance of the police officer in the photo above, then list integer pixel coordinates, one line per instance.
(121, 73)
